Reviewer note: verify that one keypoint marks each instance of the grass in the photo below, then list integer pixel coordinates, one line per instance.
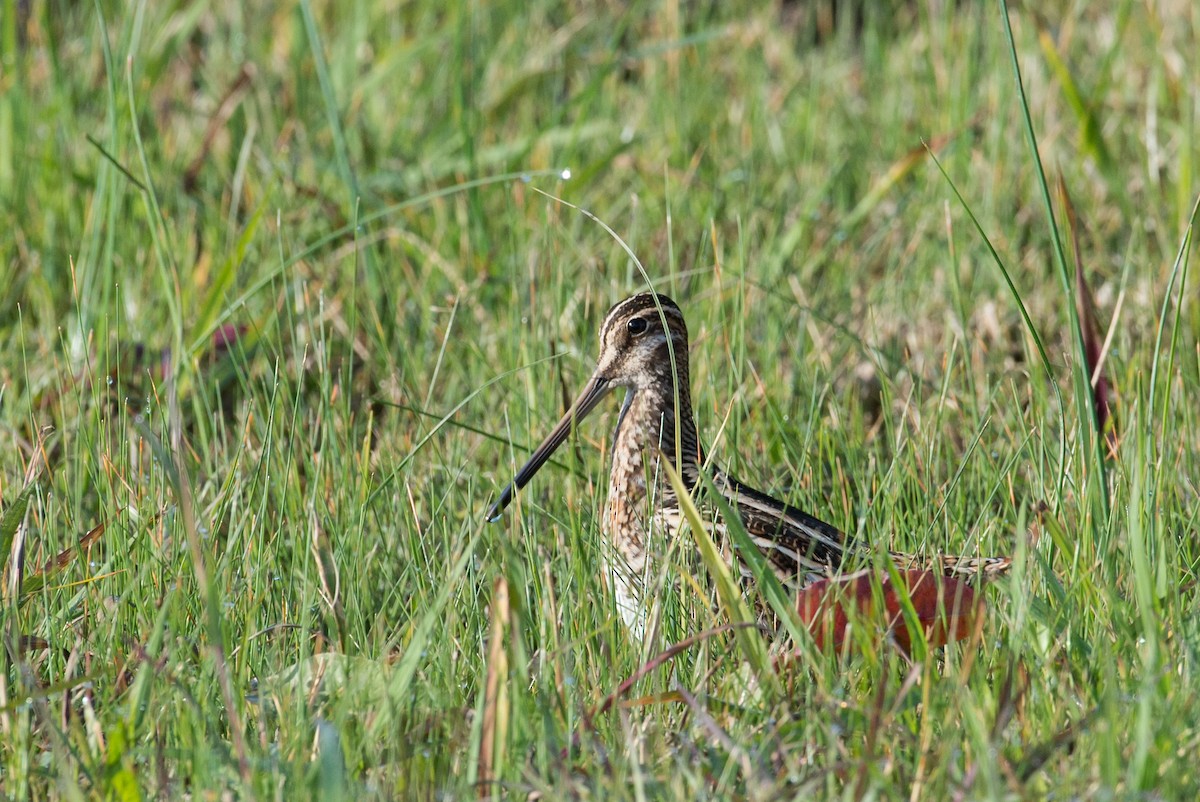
(285, 302)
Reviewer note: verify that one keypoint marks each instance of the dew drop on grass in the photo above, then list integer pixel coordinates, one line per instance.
(566, 175)
(110, 381)
(526, 178)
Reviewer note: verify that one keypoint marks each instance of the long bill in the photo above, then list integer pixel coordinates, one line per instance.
(595, 390)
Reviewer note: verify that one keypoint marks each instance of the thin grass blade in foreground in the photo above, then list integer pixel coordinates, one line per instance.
(1093, 350)
(1179, 270)
(14, 514)
(747, 635)
(1086, 427)
(781, 603)
(1027, 320)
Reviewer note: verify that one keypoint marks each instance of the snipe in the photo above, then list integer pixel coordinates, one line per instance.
(644, 348)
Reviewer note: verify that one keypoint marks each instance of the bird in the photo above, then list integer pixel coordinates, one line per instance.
(644, 350)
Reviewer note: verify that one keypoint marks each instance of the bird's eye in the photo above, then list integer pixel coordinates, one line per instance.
(638, 325)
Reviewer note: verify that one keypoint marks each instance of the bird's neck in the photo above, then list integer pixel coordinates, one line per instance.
(641, 500)
(655, 418)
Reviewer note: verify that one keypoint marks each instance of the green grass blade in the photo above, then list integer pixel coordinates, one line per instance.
(778, 598)
(14, 514)
(747, 636)
(1030, 328)
(1091, 438)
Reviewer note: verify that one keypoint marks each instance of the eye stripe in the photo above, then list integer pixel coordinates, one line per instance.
(643, 303)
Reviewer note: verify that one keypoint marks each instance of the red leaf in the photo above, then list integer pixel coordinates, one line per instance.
(947, 609)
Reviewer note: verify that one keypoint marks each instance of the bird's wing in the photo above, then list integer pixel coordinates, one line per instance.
(800, 548)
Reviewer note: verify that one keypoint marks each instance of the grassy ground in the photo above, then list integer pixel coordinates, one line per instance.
(270, 279)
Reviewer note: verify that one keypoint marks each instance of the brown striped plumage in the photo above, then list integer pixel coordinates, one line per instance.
(651, 361)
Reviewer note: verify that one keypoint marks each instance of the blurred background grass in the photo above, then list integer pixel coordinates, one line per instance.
(281, 309)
